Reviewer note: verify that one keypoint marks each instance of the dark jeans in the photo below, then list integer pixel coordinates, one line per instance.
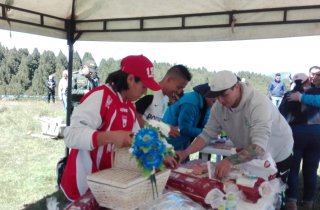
(51, 94)
(307, 149)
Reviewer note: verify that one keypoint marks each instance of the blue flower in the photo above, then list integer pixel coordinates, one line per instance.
(152, 160)
(145, 137)
(149, 150)
(150, 147)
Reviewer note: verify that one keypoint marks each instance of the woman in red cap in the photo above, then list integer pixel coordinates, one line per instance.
(105, 118)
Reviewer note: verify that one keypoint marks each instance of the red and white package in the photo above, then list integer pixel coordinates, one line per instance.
(197, 167)
(264, 168)
(197, 186)
(193, 186)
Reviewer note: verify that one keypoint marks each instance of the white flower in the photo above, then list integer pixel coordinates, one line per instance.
(169, 146)
(164, 128)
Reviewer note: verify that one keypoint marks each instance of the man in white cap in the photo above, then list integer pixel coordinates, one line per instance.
(251, 121)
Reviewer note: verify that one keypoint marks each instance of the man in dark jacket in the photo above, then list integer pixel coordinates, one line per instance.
(51, 86)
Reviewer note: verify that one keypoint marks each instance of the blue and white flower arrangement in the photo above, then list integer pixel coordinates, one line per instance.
(150, 148)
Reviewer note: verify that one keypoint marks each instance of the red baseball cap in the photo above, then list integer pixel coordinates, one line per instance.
(141, 67)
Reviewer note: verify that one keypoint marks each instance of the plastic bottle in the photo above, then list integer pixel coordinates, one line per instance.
(221, 207)
(231, 202)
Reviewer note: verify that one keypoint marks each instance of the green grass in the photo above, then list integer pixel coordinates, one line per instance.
(28, 164)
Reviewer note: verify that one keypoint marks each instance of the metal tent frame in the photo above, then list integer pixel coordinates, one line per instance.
(76, 29)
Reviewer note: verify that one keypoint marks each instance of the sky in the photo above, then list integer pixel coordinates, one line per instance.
(265, 56)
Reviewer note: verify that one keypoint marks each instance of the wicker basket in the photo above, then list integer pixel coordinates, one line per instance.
(122, 186)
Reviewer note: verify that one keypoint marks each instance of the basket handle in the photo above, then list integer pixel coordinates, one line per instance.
(113, 153)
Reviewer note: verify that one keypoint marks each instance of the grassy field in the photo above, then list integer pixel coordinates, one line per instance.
(28, 164)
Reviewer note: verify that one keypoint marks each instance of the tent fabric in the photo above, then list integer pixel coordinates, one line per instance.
(165, 20)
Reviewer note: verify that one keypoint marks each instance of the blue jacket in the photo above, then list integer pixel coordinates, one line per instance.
(276, 88)
(186, 113)
(312, 100)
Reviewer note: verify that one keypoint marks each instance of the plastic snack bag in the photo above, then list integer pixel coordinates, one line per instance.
(264, 168)
(172, 201)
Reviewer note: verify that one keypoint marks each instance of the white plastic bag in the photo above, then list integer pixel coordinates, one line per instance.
(264, 167)
(172, 201)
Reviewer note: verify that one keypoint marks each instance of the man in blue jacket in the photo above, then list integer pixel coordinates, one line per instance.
(276, 90)
(190, 113)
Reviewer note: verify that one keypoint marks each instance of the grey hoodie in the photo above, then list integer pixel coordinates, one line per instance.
(254, 121)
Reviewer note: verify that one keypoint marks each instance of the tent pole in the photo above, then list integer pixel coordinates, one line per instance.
(70, 25)
(70, 63)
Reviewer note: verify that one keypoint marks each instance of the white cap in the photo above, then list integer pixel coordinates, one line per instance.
(222, 81)
(300, 76)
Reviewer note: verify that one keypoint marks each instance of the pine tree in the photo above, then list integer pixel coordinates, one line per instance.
(34, 64)
(106, 67)
(10, 65)
(77, 63)
(3, 51)
(87, 57)
(21, 82)
(61, 64)
(47, 66)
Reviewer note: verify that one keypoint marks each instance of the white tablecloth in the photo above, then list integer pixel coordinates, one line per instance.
(219, 149)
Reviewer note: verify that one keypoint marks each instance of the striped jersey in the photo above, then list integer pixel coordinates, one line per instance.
(102, 109)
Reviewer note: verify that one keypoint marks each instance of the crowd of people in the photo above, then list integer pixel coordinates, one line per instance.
(301, 108)
(284, 124)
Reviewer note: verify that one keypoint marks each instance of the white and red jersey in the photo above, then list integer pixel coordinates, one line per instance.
(102, 109)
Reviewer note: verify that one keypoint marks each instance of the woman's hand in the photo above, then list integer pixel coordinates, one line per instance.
(123, 138)
(118, 138)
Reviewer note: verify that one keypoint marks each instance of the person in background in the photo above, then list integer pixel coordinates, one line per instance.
(314, 76)
(276, 90)
(307, 98)
(305, 123)
(104, 119)
(190, 113)
(154, 106)
(82, 83)
(292, 110)
(95, 78)
(62, 89)
(51, 86)
(252, 123)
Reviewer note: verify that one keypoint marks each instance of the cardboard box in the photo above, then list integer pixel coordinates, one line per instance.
(53, 127)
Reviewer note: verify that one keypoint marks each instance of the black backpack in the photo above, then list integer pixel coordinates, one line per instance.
(60, 167)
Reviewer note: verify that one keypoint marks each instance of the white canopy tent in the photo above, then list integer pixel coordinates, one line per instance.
(160, 21)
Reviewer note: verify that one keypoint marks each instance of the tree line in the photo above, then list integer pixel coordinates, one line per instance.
(24, 73)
